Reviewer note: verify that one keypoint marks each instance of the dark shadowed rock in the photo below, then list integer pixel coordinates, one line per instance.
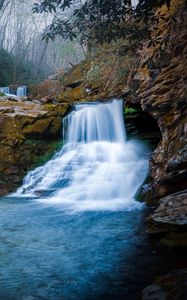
(172, 286)
(171, 214)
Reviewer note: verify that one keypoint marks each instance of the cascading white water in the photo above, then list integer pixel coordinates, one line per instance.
(5, 90)
(21, 91)
(97, 169)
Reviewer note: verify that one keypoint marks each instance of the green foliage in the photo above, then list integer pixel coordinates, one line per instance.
(53, 147)
(99, 20)
(130, 110)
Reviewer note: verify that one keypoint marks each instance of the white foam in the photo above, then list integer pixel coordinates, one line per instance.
(97, 169)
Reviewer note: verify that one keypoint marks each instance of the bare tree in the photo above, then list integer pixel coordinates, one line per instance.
(21, 36)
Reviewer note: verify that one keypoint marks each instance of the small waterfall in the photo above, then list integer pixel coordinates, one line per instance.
(21, 91)
(97, 169)
(95, 122)
(5, 90)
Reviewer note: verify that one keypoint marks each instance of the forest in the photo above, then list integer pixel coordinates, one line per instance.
(24, 57)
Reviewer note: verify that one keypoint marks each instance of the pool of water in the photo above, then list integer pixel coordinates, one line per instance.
(47, 253)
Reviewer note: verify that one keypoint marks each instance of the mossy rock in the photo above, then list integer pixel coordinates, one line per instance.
(16, 162)
(72, 95)
(77, 73)
(47, 127)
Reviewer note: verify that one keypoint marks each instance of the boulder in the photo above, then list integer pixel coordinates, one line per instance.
(171, 286)
(171, 214)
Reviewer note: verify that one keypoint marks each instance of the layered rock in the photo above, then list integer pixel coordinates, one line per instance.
(27, 132)
(159, 84)
(171, 215)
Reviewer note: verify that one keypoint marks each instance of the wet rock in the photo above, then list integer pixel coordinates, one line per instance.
(172, 286)
(145, 194)
(153, 292)
(171, 214)
(28, 131)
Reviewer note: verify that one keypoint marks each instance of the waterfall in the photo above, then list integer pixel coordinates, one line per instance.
(21, 91)
(5, 90)
(97, 168)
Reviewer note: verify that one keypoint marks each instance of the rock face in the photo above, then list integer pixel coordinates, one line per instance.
(171, 215)
(27, 131)
(159, 83)
(172, 286)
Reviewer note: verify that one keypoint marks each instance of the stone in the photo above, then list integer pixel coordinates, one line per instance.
(171, 286)
(28, 132)
(153, 292)
(171, 214)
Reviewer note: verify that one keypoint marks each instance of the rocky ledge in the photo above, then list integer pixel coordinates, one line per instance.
(171, 214)
(29, 134)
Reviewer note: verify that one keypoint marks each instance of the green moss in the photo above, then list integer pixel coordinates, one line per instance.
(130, 110)
(53, 147)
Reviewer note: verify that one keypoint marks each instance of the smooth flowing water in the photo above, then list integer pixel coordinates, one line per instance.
(21, 91)
(74, 230)
(97, 169)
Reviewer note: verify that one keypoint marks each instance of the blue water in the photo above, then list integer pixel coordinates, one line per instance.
(46, 253)
(88, 240)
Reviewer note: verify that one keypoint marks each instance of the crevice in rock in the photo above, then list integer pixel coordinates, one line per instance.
(142, 124)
